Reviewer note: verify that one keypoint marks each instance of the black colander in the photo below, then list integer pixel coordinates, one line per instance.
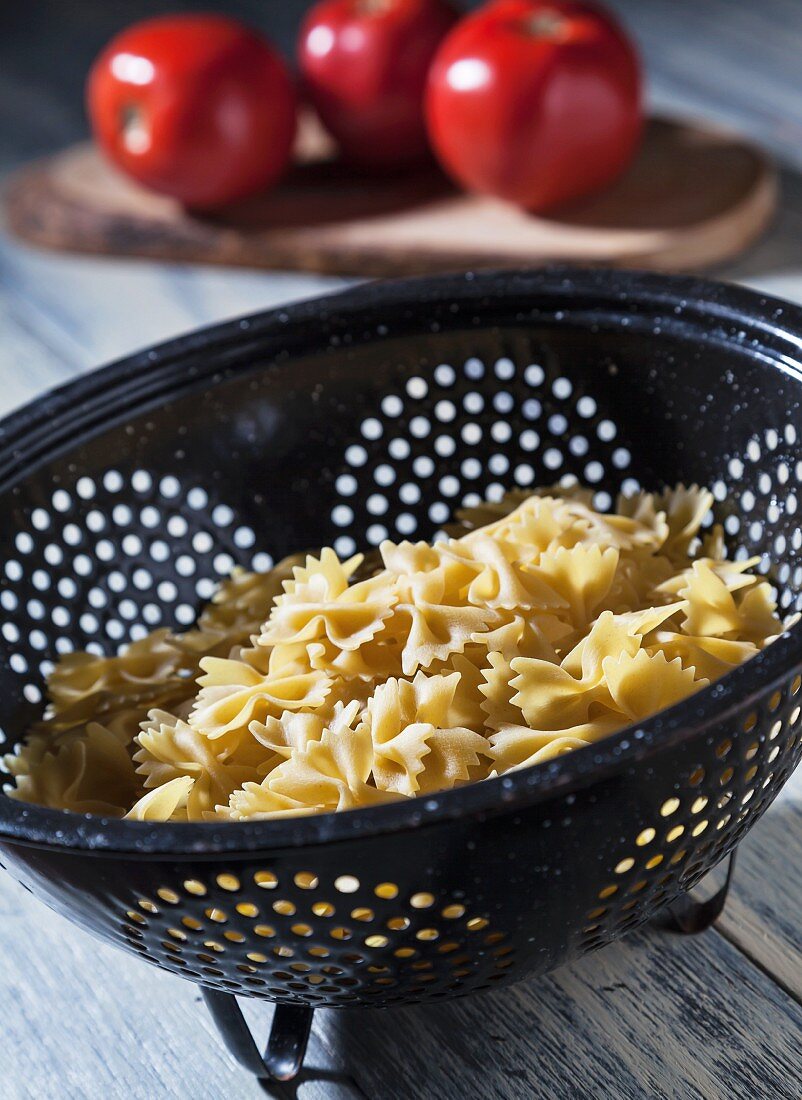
(372, 414)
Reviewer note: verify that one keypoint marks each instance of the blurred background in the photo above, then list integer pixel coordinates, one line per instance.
(733, 60)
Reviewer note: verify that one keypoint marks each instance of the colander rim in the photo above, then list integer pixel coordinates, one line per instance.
(698, 307)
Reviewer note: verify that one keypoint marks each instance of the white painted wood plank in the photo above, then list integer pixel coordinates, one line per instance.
(100, 309)
(735, 62)
(81, 1021)
(763, 916)
(27, 365)
(656, 1016)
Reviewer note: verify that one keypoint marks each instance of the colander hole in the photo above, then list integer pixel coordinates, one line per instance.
(422, 900)
(228, 882)
(346, 884)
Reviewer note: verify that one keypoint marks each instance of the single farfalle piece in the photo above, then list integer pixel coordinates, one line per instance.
(643, 509)
(550, 698)
(685, 508)
(375, 660)
(291, 659)
(141, 665)
(735, 575)
(423, 572)
(611, 635)
(487, 512)
(409, 720)
(757, 614)
(711, 658)
(166, 803)
(170, 748)
(148, 669)
(437, 631)
(256, 802)
(558, 697)
(638, 581)
(710, 606)
(456, 756)
(293, 730)
(513, 747)
(328, 775)
(465, 709)
(642, 530)
(531, 635)
(536, 524)
(409, 560)
(400, 716)
(583, 576)
(319, 603)
(233, 694)
(432, 617)
(86, 770)
(645, 683)
(501, 584)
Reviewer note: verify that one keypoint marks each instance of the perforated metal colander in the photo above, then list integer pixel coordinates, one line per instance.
(368, 415)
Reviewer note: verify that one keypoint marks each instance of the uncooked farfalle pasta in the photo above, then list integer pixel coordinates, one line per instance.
(538, 627)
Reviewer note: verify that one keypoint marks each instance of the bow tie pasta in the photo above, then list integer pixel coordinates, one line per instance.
(538, 627)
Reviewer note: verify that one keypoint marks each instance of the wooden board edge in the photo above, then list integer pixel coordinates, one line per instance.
(36, 214)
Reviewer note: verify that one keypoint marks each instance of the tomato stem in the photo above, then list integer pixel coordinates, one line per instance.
(136, 137)
(373, 7)
(545, 24)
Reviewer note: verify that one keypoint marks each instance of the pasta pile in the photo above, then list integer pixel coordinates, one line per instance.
(540, 626)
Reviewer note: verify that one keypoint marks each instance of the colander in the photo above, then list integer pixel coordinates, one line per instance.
(371, 414)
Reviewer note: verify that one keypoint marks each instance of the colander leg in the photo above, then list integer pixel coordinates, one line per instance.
(286, 1047)
(691, 916)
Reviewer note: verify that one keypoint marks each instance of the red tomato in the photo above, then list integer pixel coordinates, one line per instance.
(535, 101)
(195, 106)
(364, 65)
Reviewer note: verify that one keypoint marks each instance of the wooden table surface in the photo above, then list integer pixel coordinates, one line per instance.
(657, 1015)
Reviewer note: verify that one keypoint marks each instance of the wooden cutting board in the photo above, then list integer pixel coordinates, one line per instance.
(695, 196)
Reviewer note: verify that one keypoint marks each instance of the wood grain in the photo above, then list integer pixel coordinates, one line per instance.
(656, 1015)
(763, 918)
(651, 1017)
(695, 196)
(80, 311)
(80, 1022)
